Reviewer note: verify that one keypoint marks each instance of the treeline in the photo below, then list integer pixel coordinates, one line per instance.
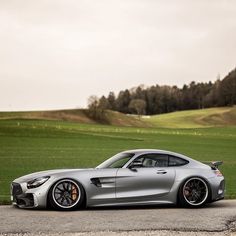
(162, 99)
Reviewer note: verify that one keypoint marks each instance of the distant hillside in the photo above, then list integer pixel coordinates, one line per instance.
(77, 115)
(223, 116)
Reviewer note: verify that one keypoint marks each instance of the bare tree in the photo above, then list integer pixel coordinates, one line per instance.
(138, 106)
(96, 111)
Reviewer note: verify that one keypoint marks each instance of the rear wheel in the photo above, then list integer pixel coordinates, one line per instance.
(194, 192)
(66, 194)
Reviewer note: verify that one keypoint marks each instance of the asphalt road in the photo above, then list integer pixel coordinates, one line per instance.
(217, 217)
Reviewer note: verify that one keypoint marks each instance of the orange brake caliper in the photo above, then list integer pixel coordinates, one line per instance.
(74, 193)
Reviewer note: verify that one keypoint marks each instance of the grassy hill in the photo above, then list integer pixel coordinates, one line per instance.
(77, 115)
(224, 116)
(211, 117)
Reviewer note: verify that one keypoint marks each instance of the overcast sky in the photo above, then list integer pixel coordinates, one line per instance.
(56, 53)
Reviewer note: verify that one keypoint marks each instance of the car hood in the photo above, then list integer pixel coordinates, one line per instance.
(48, 173)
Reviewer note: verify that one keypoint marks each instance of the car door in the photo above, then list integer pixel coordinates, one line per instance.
(153, 179)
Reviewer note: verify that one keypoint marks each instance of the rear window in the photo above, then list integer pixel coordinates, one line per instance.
(177, 161)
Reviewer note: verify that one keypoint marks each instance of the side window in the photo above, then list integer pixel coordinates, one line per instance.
(120, 162)
(154, 160)
(177, 161)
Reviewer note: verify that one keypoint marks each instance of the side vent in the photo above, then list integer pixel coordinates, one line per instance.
(96, 182)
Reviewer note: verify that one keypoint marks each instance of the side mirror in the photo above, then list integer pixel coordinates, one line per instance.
(136, 164)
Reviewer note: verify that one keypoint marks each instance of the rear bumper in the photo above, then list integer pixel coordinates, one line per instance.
(217, 188)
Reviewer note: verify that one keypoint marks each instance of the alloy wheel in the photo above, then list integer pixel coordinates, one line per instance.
(66, 193)
(195, 191)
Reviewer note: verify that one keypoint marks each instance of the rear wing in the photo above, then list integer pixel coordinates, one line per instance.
(214, 164)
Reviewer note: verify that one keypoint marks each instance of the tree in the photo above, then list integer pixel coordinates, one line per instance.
(228, 89)
(103, 103)
(112, 101)
(138, 106)
(151, 101)
(123, 100)
(95, 109)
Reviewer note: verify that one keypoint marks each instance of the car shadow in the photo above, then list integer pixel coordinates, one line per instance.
(136, 207)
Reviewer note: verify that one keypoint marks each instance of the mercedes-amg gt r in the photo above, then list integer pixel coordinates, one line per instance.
(135, 177)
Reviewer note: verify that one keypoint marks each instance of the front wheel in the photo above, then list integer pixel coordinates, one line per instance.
(194, 192)
(66, 194)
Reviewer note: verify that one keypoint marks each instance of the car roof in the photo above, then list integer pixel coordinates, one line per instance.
(140, 151)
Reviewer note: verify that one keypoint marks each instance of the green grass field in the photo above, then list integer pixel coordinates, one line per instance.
(223, 116)
(28, 145)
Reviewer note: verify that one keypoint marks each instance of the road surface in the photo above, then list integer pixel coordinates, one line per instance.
(215, 219)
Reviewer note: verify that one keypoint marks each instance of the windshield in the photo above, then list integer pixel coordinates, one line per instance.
(117, 161)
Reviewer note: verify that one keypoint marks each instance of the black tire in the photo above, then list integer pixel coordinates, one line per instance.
(66, 195)
(193, 193)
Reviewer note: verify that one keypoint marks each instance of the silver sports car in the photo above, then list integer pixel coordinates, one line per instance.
(135, 177)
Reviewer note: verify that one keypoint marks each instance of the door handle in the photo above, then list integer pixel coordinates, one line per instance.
(161, 172)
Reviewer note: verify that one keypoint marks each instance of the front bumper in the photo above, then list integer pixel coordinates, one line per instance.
(23, 197)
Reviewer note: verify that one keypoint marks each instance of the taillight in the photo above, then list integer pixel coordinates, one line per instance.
(218, 173)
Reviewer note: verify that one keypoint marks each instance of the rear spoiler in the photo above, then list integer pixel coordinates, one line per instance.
(214, 164)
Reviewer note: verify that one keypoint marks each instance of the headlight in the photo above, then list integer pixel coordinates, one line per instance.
(37, 182)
